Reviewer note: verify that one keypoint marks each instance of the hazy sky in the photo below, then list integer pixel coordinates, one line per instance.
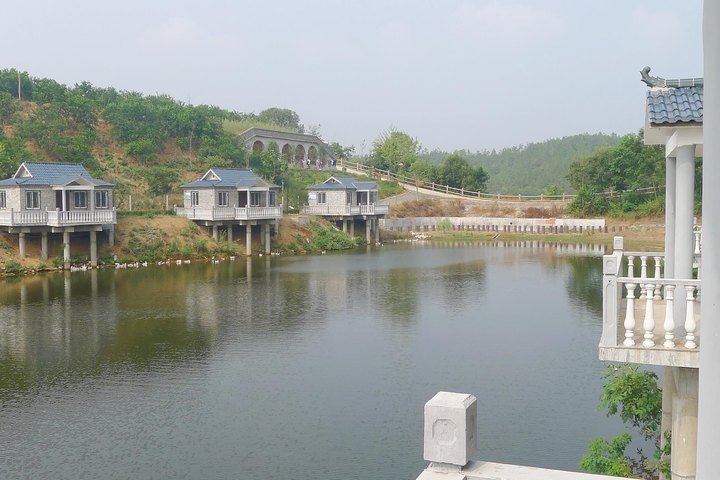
(474, 74)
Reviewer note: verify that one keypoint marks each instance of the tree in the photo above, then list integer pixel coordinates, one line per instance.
(636, 397)
(282, 117)
(395, 151)
(456, 172)
(342, 153)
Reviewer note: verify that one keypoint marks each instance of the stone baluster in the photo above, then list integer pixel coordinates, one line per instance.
(643, 274)
(657, 277)
(629, 323)
(631, 264)
(690, 317)
(699, 288)
(697, 242)
(669, 324)
(649, 321)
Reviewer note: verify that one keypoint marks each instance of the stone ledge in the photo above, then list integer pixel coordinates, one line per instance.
(678, 357)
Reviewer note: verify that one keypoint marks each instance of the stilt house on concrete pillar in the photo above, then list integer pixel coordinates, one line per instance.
(56, 198)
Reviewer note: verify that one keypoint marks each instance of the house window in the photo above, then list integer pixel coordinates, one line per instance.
(102, 199)
(256, 199)
(80, 199)
(273, 199)
(3, 199)
(373, 198)
(223, 199)
(32, 200)
(348, 198)
(194, 199)
(321, 197)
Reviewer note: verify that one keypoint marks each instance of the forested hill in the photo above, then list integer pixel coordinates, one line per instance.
(535, 167)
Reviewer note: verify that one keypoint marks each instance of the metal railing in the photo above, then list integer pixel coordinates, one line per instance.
(461, 192)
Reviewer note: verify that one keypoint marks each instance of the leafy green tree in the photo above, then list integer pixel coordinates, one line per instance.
(8, 107)
(342, 153)
(160, 179)
(282, 117)
(637, 398)
(9, 83)
(456, 172)
(395, 151)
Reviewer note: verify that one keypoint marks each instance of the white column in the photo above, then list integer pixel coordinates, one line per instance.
(670, 217)
(215, 232)
(368, 222)
(708, 467)
(66, 246)
(43, 246)
(93, 248)
(64, 200)
(668, 392)
(685, 424)
(376, 221)
(229, 234)
(267, 238)
(21, 244)
(684, 210)
(248, 239)
(352, 227)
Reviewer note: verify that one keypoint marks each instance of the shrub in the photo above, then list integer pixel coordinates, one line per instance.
(444, 225)
(13, 268)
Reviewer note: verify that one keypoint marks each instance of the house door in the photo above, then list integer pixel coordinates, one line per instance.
(59, 200)
(362, 198)
(242, 199)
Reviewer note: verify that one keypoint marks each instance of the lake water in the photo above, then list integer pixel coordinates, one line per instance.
(299, 367)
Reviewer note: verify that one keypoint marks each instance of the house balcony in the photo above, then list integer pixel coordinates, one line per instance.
(57, 218)
(649, 319)
(229, 213)
(346, 210)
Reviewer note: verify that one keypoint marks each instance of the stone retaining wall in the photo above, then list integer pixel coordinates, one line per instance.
(493, 224)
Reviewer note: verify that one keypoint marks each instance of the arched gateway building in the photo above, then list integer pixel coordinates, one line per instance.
(297, 148)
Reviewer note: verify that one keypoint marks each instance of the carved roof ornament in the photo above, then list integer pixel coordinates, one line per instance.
(654, 82)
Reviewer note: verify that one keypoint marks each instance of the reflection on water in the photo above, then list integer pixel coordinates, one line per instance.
(266, 367)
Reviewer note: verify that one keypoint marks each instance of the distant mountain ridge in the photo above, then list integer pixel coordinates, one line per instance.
(532, 168)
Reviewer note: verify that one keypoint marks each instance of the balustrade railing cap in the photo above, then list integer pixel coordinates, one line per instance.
(450, 428)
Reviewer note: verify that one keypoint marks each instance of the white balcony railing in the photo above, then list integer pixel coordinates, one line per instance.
(346, 210)
(649, 318)
(57, 218)
(229, 213)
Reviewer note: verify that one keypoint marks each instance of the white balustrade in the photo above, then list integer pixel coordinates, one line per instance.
(631, 266)
(657, 296)
(669, 324)
(649, 321)
(690, 317)
(629, 323)
(643, 274)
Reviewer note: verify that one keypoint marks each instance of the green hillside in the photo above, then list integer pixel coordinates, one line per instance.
(530, 169)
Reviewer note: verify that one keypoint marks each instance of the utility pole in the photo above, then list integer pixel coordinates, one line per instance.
(19, 87)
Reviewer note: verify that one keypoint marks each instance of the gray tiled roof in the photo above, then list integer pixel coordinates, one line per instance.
(671, 106)
(54, 174)
(344, 183)
(231, 178)
(276, 135)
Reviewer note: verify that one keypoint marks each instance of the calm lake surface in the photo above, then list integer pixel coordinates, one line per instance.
(299, 367)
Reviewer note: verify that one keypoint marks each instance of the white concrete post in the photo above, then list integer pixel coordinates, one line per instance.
(352, 227)
(668, 391)
(344, 223)
(368, 222)
(629, 323)
(669, 324)
(656, 295)
(21, 244)
(450, 428)
(670, 199)
(248, 239)
(649, 321)
(643, 274)
(44, 245)
(267, 238)
(690, 317)
(93, 248)
(685, 424)
(708, 467)
(215, 232)
(66, 246)
(376, 221)
(685, 171)
(229, 235)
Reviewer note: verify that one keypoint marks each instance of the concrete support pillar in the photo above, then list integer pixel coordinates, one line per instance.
(352, 227)
(368, 224)
(668, 392)
(111, 236)
(670, 199)
(377, 230)
(344, 223)
(229, 235)
(267, 238)
(66, 247)
(93, 248)
(43, 245)
(21, 244)
(248, 239)
(215, 232)
(684, 212)
(684, 424)
(708, 467)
